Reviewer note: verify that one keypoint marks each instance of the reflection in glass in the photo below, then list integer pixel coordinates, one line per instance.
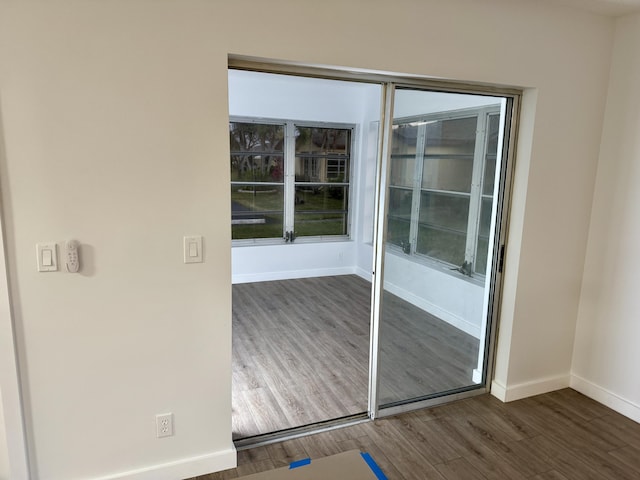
(404, 137)
(444, 210)
(443, 226)
(400, 203)
(488, 187)
(403, 170)
(451, 137)
(445, 245)
(449, 149)
(398, 232)
(400, 200)
(452, 174)
(492, 151)
(482, 250)
(442, 159)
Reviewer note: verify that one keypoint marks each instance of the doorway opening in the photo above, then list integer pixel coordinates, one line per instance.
(368, 219)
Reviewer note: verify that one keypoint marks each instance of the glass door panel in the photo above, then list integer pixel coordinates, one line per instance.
(440, 209)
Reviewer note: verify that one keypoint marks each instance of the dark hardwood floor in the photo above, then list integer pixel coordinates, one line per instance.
(301, 352)
(561, 435)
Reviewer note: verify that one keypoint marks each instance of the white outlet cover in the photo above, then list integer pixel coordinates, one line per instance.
(164, 425)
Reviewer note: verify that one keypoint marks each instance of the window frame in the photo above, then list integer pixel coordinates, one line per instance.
(475, 194)
(289, 181)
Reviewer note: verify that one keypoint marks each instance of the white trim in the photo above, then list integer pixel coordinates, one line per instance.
(442, 314)
(185, 468)
(528, 389)
(10, 378)
(364, 274)
(606, 397)
(291, 274)
(383, 168)
(498, 390)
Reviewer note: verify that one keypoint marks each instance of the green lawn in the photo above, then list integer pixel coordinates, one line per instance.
(307, 223)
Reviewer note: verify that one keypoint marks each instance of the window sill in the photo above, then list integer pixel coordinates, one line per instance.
(266, 242)
(442, 267)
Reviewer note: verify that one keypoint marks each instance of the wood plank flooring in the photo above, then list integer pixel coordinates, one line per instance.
(301, 352)
(421, 354)
(561, 435)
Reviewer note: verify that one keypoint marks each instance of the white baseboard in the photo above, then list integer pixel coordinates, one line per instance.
(291, 274)
(364, 274)
(606, 397)
(498, 390)
(442, 314)
(528, 389)
(179, 469)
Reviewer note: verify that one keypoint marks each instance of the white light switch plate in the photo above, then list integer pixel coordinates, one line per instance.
(47, 257)
(193, 249)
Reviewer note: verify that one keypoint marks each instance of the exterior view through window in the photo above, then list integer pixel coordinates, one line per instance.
(289, 180)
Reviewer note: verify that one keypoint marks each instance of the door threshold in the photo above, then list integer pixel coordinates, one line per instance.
(297, 432)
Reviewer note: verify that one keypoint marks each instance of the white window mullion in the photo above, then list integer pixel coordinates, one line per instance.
(476, 188)
(289, 176)
(417, 184)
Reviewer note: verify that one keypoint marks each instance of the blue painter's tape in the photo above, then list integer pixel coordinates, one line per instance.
(374, 466)
(299, 463)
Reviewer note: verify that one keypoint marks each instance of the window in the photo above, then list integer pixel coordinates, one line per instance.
(441, 186)
(289, 180)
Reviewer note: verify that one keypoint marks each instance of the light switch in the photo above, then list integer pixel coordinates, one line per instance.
(193, 249)
(47, 257)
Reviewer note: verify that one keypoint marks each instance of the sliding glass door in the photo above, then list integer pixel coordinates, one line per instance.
(362, 232)
(440, 192)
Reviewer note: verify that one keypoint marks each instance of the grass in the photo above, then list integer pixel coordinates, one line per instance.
(307, 223)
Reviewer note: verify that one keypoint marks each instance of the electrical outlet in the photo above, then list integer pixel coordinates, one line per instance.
(164, 425)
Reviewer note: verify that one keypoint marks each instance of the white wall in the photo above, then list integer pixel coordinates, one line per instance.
(110, 139)
(115, 124)
(4, 455)
(297, 260)
(264, 95)
(456, 300)
(606, 354)
(13, 457)
(366, 173)
(261, 95)
(411, 102)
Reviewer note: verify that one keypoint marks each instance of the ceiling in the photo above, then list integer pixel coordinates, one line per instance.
(605, 7)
